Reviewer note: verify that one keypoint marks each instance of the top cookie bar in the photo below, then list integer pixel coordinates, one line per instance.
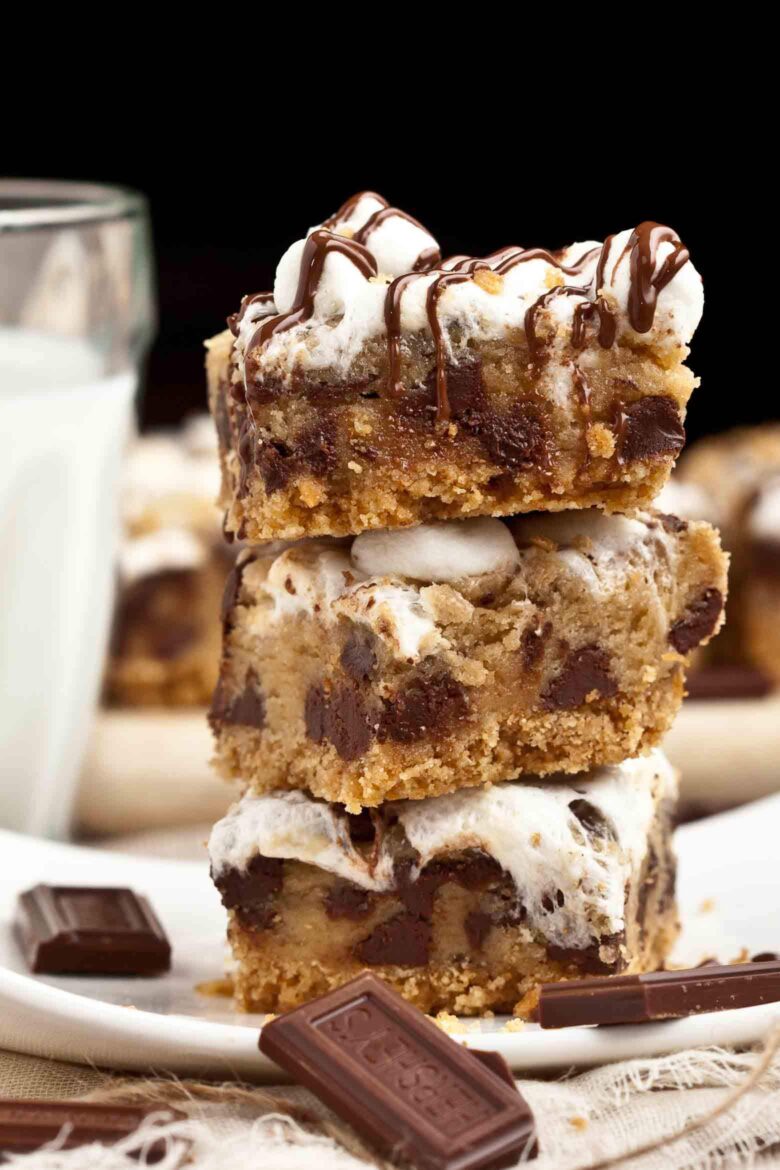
(379, 386)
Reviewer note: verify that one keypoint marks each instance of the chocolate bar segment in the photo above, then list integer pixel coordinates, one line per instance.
(27, 1125)
(405, 1086)
(89, 930)
(661, 995)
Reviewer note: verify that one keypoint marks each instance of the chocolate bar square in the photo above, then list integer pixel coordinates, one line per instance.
(89, 930)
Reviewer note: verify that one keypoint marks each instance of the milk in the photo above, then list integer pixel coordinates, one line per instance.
(63, 427)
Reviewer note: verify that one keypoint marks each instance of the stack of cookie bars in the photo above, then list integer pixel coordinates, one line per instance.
(459, 630)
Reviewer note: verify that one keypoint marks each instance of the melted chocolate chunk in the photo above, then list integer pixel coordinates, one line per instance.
(697, 622)
(346, 900)
(252, 892)
(315, 448)
(532, 644)
(314, 713)
(358, 657)
(232, 591)
(275, 463)
(588, 958)
(342, 718)
(312, 452)
(246, 709)
(585, 670)
(348, 723)
(465, 391)
(423, 707)
(514, 441)
(477, 926)
(672, 523)
(650, 429)
(592, 819)
(473, 870)
(403, 941)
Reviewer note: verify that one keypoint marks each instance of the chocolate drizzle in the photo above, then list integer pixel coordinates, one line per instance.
(645, 284)
(262, 298)
(393, 325)
(318, 247)
(428, 258)
(431, 301)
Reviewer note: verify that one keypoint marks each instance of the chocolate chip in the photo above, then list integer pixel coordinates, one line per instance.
(672, 523)
(588, 959)
(697, 622)
(477, 925)
(585, 670)
(464, 386)
(765, 957)
(514, 441)
(426, 705)
(346, 900)
(232, 590)
(348, 723)
(274, 461)
(315, 448)
(650, 428)
(342, 718)
(403, 941)
(251, 892)
(246, 709)
(592, 819)
(359, 655)
(532, 644)
(314, 713)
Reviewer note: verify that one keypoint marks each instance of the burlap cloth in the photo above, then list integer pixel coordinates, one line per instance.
(707, 1108)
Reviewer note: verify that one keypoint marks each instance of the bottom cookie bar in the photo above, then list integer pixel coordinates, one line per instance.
(464, 902)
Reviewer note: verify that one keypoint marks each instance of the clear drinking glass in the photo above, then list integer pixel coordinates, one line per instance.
(76, 318)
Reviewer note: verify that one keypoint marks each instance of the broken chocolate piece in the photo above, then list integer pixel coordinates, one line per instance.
(87, 930)
(27, 1125)
(405, 1086)
(661, 995)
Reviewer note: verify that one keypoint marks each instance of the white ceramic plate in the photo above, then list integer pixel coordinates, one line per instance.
(729, 894)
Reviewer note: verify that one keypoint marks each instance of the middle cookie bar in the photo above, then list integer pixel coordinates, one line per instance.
(410, 663)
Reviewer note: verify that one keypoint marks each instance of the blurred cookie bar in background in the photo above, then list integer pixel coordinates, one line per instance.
(172, 566)
(733, 481)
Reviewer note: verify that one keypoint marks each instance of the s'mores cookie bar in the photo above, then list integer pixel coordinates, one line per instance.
(380, 386)
(410, 663)
(465, 902)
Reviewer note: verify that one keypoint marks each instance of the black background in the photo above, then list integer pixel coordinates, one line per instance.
(227, 198)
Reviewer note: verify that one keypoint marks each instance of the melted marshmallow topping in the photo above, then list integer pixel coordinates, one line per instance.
(531, 829)
(339, 287)
(380, 578)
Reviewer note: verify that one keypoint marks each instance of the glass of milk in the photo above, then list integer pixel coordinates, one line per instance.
(76, 318)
